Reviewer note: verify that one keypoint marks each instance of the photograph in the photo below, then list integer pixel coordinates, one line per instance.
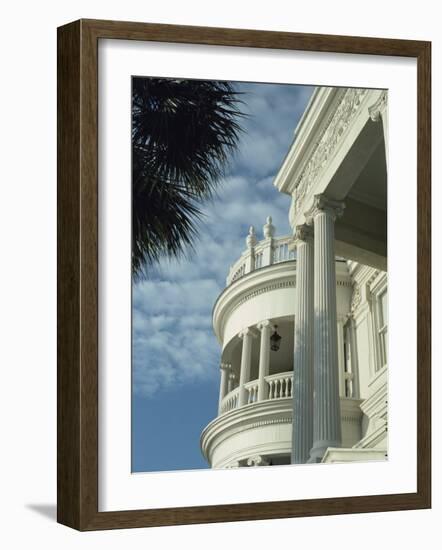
(259, 274)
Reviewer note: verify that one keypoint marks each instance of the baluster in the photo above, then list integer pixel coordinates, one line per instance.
(271, 389)
(277, 388)
(286, 387)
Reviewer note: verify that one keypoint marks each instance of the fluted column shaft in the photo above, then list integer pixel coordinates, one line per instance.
(302, 439)
(246, 360)
(326, 402)
(223, 384)
(264, 359)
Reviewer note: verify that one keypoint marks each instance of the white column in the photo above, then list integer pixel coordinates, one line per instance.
(224, 368)
(354, 358)
(231, 382)
(326, 402)
(341, 359)
(246, 361)
(302, 439)
(264, 359)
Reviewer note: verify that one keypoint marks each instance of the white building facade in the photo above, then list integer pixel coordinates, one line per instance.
(303, 320)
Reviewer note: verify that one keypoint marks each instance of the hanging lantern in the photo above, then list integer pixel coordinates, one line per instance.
(275, 340)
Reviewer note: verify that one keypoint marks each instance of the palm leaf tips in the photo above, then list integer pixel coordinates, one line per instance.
(183, 135)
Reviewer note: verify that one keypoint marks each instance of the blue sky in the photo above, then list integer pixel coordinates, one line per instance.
(175, 355)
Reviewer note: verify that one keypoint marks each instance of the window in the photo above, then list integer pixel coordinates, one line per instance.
(379, 322)
(348, 371)
(382, 327)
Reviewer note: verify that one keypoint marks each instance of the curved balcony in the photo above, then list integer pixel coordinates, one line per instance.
(277, 386)
(260, 432)
(267, 252)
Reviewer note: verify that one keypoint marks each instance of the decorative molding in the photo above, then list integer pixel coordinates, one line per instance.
(247, 331)
(321, 203)
(251, 239)
(257, 460)
(356, 298)
(302, 234)
(329, 139)
(225, 431)
(267, 288)
(268, 229)
(263, 324)
(376, 110)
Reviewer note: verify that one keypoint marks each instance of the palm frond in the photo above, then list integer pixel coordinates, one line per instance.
(183, 134)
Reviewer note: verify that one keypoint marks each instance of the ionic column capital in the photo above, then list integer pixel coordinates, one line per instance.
(302, 234)
(247, 332)
(322, 204)
(377, 109)
(262, 325)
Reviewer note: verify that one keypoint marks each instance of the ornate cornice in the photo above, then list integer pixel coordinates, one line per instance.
(262, 290)
(356, 298)
(376, 110)
(329, 139)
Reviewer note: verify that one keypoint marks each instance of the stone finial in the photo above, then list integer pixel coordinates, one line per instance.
(269, 228)
(251, 238)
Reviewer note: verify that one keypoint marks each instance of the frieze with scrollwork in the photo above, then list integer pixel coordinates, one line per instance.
(328, 141)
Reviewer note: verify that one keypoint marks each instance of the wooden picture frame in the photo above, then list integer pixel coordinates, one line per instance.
(77, 461)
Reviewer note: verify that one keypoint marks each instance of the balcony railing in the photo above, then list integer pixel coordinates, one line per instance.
(262, 254)
(278, 386)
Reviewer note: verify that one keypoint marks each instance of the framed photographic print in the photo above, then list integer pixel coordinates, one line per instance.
(243, 275)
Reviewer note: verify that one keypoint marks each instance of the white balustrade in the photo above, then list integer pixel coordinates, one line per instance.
(230, 401)
(266, 252)
(258, 260)
(280, 386)
(238, 273)
(252, 389)
(281, 252)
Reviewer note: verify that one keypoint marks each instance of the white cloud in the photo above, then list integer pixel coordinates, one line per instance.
(173, 340)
